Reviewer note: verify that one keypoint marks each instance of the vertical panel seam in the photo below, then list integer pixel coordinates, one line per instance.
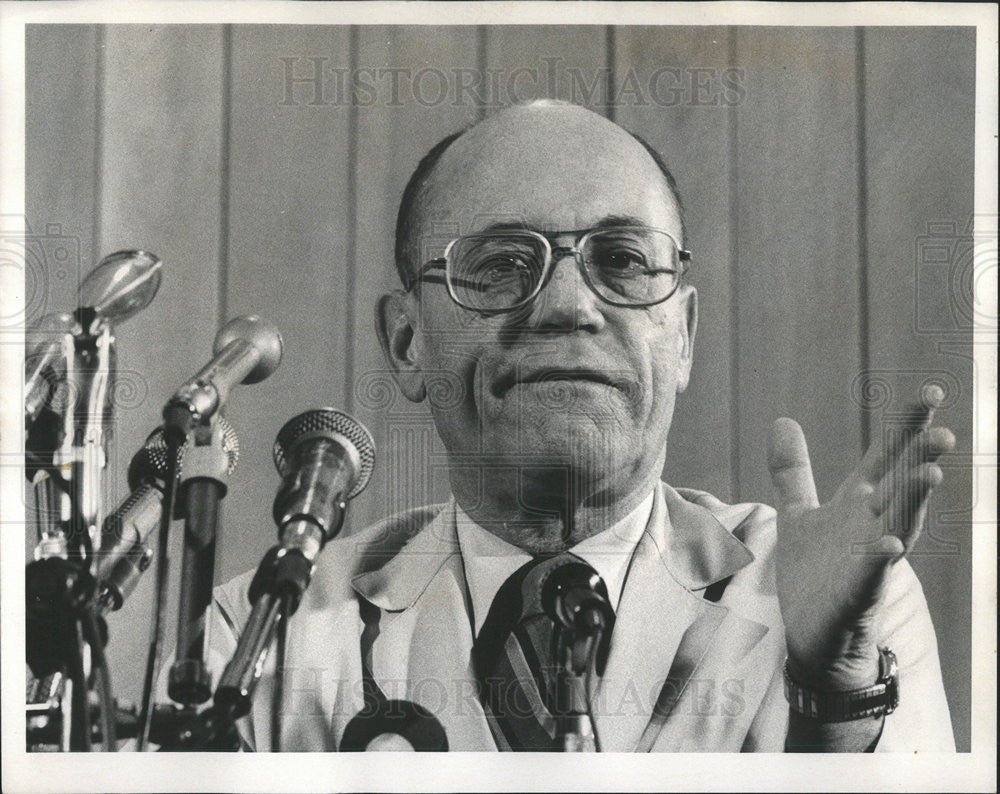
(864, 320)
(481, 64)
(732, 145)
(225, 185)
(100, 97)
(611, 63)
(351, 243)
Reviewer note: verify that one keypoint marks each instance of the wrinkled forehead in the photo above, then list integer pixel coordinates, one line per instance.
(550, 167)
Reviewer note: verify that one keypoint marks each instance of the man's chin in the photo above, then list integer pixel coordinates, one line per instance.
(565, 444)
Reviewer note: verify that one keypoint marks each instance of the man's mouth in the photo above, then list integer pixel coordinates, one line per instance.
(556, 375)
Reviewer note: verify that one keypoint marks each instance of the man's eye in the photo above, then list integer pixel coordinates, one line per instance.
(621, 262)
(500, 269)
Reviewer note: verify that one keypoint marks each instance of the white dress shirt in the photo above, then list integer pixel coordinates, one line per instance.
(489, 561)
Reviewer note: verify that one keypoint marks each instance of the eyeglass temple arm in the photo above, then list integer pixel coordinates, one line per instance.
(424, 274)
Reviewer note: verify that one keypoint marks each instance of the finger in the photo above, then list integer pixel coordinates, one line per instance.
(788, 462)
(894, 435)
(905, 517)
(926, 447)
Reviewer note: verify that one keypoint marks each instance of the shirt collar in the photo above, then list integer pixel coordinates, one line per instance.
(696, 535)
(489, 561)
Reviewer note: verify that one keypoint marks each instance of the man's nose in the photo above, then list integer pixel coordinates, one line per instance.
(566, 302)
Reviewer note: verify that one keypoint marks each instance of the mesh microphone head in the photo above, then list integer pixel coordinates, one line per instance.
(336, 424)
(151, 460)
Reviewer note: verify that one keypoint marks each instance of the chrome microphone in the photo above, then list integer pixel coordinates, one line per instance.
(575, 599)
(325, 458)
(247, 350)
(80, 361)
(119, 287)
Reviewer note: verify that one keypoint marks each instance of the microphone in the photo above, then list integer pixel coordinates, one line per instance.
(119, 287)
(122, 285)
(325, 458)
(126, 532)
(247, 350)
(573, 597)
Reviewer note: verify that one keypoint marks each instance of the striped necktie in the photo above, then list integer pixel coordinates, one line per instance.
(514, 660)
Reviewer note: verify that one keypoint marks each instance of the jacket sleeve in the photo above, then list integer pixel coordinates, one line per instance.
(921, 722)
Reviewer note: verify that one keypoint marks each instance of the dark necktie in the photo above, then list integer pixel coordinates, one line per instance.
(513, 657)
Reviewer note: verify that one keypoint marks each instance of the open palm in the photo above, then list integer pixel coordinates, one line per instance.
(833, 559)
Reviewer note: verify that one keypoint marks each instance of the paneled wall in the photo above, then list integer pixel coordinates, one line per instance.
(824, 172)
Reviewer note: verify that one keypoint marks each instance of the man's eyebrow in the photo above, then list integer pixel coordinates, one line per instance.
(606, 222)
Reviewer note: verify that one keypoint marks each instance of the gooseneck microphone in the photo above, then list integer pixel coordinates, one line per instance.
(247, 350)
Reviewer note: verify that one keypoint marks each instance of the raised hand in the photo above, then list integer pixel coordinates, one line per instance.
(833, 559)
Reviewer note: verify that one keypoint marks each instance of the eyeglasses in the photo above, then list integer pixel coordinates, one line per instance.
(500, 271)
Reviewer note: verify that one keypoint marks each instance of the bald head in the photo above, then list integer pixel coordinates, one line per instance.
(479, 174)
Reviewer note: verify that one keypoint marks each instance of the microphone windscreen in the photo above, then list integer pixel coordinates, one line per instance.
(151, 460)
(332, 424)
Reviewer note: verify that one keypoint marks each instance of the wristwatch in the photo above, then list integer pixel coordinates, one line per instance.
(872, 701)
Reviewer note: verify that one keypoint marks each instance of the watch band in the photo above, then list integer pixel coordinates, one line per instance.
(879, 699)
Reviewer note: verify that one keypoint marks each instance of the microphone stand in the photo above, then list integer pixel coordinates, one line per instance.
(62, 618)
(576, 652)
(65, 632)
(275, 593)
(206, 465)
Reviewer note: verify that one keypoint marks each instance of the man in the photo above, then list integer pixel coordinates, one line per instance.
(562, 317)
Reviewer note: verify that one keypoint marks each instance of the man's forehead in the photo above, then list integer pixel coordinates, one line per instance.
(548, 167)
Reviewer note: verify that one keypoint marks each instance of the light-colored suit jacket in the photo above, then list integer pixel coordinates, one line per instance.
(696, 653)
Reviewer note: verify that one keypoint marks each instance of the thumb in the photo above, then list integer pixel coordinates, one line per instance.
(788, 462)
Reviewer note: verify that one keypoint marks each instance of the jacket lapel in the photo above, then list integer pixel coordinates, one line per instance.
(664, 628)
(666, 634)
(423, 652)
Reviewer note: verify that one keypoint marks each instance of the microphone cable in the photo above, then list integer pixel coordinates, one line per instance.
(100, 664)
(79, 700)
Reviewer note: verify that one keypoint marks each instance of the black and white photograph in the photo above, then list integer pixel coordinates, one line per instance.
(480, 378)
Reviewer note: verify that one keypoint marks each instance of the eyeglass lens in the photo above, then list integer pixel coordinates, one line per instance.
(630, 266)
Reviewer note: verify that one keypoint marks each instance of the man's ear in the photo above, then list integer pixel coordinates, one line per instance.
(688, 322)
(397, 336)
